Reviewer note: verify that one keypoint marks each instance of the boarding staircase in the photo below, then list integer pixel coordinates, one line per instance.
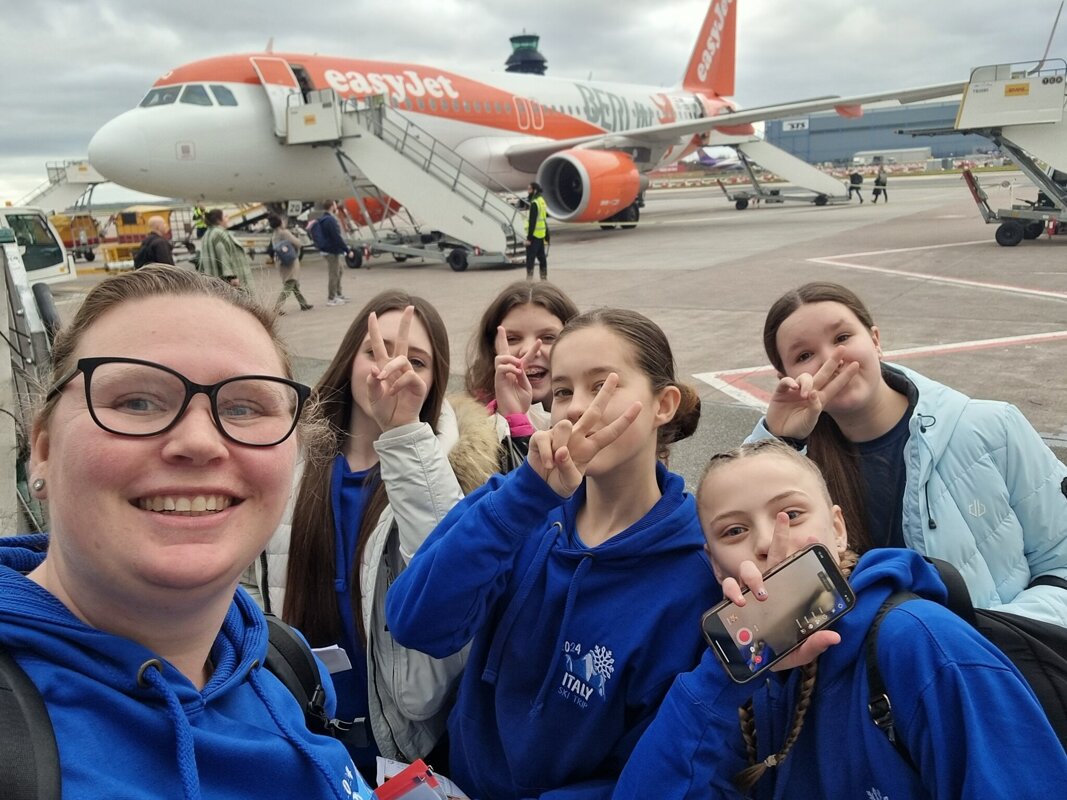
(69, 183)
(384, 155)
(1020, 108)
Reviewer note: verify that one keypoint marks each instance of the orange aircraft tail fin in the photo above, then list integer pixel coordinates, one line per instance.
(711, 68)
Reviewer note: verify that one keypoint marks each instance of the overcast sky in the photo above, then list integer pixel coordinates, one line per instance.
(68, 66)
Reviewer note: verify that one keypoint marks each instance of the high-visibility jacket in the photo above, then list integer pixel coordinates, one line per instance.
(540, 227)
(199, 217)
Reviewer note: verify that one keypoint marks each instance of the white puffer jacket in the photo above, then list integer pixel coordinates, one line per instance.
(410, 693)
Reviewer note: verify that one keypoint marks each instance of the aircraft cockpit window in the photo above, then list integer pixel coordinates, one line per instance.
(223, 95)
(163, 96)
(196, 95)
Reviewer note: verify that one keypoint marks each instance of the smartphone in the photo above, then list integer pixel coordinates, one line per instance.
(805, 593)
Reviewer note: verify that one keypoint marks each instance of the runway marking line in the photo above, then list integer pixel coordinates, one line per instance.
(736, 383)
(838, 261)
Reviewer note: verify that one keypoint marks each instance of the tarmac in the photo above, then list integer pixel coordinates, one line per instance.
(949, 302)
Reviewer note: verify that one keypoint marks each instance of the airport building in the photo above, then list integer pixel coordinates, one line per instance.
(829, 137)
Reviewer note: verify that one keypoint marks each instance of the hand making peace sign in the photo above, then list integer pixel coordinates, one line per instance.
(396, 391)
(797, 402)
(561, 454)
(512, 386)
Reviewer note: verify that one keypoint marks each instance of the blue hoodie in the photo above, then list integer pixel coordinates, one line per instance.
(573, 647)
(243, 735)
(967, 718)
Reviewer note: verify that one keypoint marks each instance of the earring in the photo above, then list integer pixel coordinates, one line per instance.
(38, 484)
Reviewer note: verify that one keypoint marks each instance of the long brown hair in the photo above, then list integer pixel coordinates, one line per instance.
(481, 352)
(310, 599)
(653, 356)
(827, 445)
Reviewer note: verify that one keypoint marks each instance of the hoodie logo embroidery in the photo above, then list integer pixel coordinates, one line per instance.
(876, 794)
(976, 509)
(585, 673)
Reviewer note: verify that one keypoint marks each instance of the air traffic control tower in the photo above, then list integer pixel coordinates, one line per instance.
(525, 56)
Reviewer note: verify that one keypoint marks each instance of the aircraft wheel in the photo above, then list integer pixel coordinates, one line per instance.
(354, 258)
(457, 259)
(400, 258)
(633, 215)
(741, 204)
(1009, 234)
(89, 255)
(1033, 230)
(821, 200)
(606, 226)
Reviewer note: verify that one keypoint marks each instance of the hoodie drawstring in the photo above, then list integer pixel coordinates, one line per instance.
(572, 595)
(290, 734)
(151, 675)
(496, 651)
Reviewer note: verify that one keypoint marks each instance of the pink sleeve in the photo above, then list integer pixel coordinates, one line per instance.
(519, 424)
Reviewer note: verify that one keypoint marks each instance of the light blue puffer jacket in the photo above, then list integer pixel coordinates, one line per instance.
(984, 493)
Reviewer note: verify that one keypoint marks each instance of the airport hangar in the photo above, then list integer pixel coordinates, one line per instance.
(827, 137)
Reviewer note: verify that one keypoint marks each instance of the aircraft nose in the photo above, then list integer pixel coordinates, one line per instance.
(116, 149)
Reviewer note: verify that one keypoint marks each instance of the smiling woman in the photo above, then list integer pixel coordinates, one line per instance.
(159, 498)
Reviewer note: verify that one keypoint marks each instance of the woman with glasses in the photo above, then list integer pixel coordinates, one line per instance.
(402, 457)
(165, 460)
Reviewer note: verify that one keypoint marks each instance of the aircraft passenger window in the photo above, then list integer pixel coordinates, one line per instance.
(433, 105)
(163, 96)
(422, 105)
(466, 106)
(477, 107)
(196, 95)
(507, 108)
(499, 108)
(223, 95)
(42, 249)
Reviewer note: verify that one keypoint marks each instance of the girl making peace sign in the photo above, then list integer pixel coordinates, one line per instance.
(579, 577)
(402, 457)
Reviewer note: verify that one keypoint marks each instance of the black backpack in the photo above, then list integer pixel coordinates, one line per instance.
(1037, 649)
(29, 759)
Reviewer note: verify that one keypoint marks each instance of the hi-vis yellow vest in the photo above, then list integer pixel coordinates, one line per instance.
(541, 226)
(198, 218)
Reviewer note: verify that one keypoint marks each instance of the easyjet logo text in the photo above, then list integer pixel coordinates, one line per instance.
(402, 86)
(714, 40)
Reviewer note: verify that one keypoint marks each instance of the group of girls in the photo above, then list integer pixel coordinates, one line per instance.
(523, 631)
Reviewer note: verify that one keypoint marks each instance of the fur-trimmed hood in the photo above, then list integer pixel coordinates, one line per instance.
(474, 452)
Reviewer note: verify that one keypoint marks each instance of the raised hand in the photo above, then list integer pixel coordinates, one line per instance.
(512, 386)
(396, 391)
(797, 402)
(561, 454)
(782, 545)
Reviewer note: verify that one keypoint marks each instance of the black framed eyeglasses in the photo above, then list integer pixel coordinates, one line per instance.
(131, 397)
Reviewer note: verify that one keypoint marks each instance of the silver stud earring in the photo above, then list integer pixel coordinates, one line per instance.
(38, 484)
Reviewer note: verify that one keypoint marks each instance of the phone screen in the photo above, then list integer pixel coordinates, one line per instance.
(804, 594)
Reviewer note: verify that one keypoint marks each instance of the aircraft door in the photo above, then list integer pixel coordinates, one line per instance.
(280, 83)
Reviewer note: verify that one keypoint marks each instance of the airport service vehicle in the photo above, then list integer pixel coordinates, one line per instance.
(1019, 107)
(45, 258)
(251, 126)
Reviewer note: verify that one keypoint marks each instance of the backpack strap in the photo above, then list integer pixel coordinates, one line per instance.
(29, 758)
(878, 705)
(959, 598)
(1048, 580)
(290, 659)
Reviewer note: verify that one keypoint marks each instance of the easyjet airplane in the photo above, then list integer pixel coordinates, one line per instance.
(214, 129)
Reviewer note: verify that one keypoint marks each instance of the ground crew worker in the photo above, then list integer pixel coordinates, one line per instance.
(200, 220)
(536, 232)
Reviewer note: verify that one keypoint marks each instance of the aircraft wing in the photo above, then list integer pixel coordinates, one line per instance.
(528, 156)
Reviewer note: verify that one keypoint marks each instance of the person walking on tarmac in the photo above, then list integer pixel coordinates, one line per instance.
(536, 232)
(156, 247)
(222, 256)
(333, 246)
(855, 180)
(200, 220)
(880, 181)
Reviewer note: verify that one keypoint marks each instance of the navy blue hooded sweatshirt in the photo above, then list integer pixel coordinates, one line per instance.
(967, 718)
(573, 647)
(243, 735)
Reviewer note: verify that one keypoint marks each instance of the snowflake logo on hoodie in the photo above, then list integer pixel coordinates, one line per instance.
(876, 794)
(589, 672)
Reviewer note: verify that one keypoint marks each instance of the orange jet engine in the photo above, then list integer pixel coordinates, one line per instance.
(588, 185)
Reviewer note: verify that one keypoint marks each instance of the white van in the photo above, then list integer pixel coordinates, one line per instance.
(42, 250)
